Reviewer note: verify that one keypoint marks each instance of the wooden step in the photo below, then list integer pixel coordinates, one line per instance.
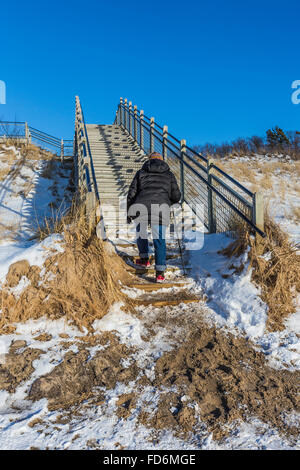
(156, 286)
(166, 303)
(139, 270)
(126, 245)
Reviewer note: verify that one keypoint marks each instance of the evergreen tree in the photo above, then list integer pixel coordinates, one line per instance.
(277, 138)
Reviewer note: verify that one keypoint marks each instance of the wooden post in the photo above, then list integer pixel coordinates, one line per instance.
(62, 151)
(121, 110)
(152, 134)
(135, 122)
(130, 117)
(90, 206)
(165, 138)
(125, 114)
(142, 130)
(211, 199)
(258, 211)
(182, 152)
(26, 133)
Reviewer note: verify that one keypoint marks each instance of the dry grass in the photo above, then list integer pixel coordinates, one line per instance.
(3, 173)
(80, 284)
(27, 153)
(296, 188)
(7, 157)
(33, 152)
(245, 169)
(59, 221)
(276, 269)
(297, 169)
(260, 175)
(242, 171)
(239, 170)
(296, 213)
(266, 181)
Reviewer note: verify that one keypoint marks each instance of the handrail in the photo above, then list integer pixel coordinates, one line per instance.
(62, 147)
(170, 136)
(227, 200)
(237, 195)
(234, 181)
(44, 133)
(239, 213)
(17, 123)
(84, 166)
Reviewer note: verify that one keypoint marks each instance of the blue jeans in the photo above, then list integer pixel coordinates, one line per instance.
(159, 241)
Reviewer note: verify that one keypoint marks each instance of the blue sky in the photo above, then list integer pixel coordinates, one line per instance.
(212, 71)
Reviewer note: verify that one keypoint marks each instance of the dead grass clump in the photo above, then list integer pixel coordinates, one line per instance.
(34, 152)
(266, 181)
(297, 169)
(80, 284)
(276, 269)
(3, 173)
(243, 171)
(28, 151)
(239, 245)
(75, 215)
(296, 213)
(25, 153)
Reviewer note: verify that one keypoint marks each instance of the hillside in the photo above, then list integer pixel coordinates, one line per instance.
(92, 358)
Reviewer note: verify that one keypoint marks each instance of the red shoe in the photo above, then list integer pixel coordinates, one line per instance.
(160, 278)
(143, 262)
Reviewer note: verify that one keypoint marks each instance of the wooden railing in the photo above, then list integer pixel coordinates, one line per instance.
(226, 203)
(84, 168)
(23, 133)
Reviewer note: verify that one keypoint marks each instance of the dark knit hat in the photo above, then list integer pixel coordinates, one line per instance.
(156, 155)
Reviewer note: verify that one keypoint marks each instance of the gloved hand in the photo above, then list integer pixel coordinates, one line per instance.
(129, 219)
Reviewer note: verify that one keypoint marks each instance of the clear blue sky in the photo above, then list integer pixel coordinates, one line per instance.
(210, 70)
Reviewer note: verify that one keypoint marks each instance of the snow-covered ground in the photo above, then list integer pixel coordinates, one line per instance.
(235, 302)
(232, 303)
(278, 179)
(27, 198)
(25, 425)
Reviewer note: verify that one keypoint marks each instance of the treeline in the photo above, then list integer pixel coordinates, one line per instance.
(275, 142)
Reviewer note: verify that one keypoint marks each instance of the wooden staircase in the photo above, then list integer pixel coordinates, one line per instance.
(116, 158)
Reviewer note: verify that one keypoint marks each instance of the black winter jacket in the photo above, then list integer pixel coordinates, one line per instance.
(154, 184)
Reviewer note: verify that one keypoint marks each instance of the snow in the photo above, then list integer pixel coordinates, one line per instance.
(99, 427)
(18, 289)
(25, 202)
(283, 195)
(235, 300)
(129, 328)
(35, 253)
(235, 303)
(130, 331)
(293, 321)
